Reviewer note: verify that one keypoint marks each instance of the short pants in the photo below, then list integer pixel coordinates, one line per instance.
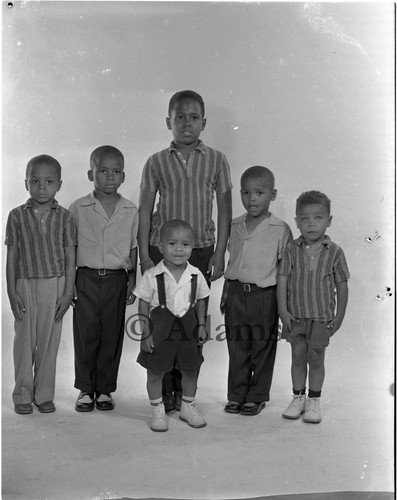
(316, 332)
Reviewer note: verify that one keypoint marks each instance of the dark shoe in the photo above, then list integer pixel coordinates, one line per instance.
(104, 402)
(168, 401)
(23, 408)
(177, 400)
(252, 408)
(85, 402)
(233, 407)
(46, 407)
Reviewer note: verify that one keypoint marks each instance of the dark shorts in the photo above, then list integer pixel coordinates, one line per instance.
(316, 332)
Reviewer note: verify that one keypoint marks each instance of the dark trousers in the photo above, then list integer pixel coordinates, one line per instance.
(251, 331)
(98, 329)
(200, 258)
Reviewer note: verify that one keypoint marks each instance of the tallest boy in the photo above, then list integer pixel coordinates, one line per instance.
(185, 176)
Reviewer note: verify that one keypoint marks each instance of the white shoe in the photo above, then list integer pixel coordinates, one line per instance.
(190, 415)
(312, 411)
(296, 407)
(159, 421)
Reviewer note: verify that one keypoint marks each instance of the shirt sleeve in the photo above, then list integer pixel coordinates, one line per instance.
(144, 289)
(285, 239)
(285, 266)
(134, 231)
(224, 181)
(148, 179)
(203, 290)
(341, 271)
(70, 233)
(11, 229)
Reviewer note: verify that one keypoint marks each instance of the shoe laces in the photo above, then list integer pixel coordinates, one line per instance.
(312, 404)
(159, 411)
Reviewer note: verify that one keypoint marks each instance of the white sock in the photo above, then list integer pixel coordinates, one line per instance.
(155, 402)
(188, 399)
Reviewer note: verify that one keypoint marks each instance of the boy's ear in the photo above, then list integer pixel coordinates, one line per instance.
(296, 221)
(274, 194)
(90, 175)
(59, 185)
(168, 122)
(329, 220)
(26, 185)
(204, 123)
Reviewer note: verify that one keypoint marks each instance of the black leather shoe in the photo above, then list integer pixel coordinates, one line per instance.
(252, 408)
(86, 405)
(107, 404)
(233, 407)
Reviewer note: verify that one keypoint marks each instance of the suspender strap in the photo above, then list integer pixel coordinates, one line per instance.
(161, 289)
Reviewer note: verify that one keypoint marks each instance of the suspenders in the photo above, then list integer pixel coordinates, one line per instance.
(161, 290)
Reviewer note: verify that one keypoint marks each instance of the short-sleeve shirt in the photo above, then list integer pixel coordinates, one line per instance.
(312, 277)
(41, 239)
(254, 256)
(103, 242)
(177, 293)
(186, 189)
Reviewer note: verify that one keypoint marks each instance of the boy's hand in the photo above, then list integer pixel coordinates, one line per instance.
(202, 334)
(216, 266)
(146, 266)
(130, 295)
(17, 307)
(334, 324)
(225, 291)
(147, 344)
(286, 319)
(62, 306)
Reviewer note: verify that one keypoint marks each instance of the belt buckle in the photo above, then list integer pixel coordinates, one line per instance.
(247, 287)
(102, 272)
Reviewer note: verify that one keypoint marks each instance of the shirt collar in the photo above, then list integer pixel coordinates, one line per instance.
(327, 241)
(29, 204)
(91, 200)
(162, 268)
(200, 148)
(272, 220)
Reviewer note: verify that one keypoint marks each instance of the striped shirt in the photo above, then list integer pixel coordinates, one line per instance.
(186, 189)
(40, 239)
(312, 276)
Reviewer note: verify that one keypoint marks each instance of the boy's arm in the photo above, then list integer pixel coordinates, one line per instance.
(342, 295)
(147, 344)
(285, 315)
(132, 277)
(16, 302)
(65, 300)
(201, 320)
(217, 261)
(146, 205)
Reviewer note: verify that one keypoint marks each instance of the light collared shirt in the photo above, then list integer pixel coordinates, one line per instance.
(186, 189)
(312, 276)
(178, 294)
(103, 242)
(254, 256)
(40, 239)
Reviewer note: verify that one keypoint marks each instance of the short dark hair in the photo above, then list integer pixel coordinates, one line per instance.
(258, 172)
(185, 94)
(172, 224)
(43, 160)
(103, 152)
(311, 198)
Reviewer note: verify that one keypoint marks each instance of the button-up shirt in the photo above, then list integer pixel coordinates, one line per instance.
(103, 242)
(186, 189)
(40, 239)
(178, 294)
(254, 256)
(312, 277)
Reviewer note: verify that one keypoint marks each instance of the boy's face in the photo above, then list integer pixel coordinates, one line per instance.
(256, 195)
(176, 247)
(43, 183)
(186, 122)
(107, 175)
(312, 221)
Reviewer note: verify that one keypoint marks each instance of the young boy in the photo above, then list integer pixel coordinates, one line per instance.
(107, 226)
(172, 308)
(257, 240)
(185, 175)
(311, 268)
(41, 245)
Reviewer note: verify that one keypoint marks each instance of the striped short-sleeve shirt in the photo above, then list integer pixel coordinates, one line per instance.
(312, 278)
(40, 241)
(186, 189)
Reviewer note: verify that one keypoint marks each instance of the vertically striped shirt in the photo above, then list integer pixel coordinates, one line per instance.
(186, 189)
(40, 242)
(312, 278)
